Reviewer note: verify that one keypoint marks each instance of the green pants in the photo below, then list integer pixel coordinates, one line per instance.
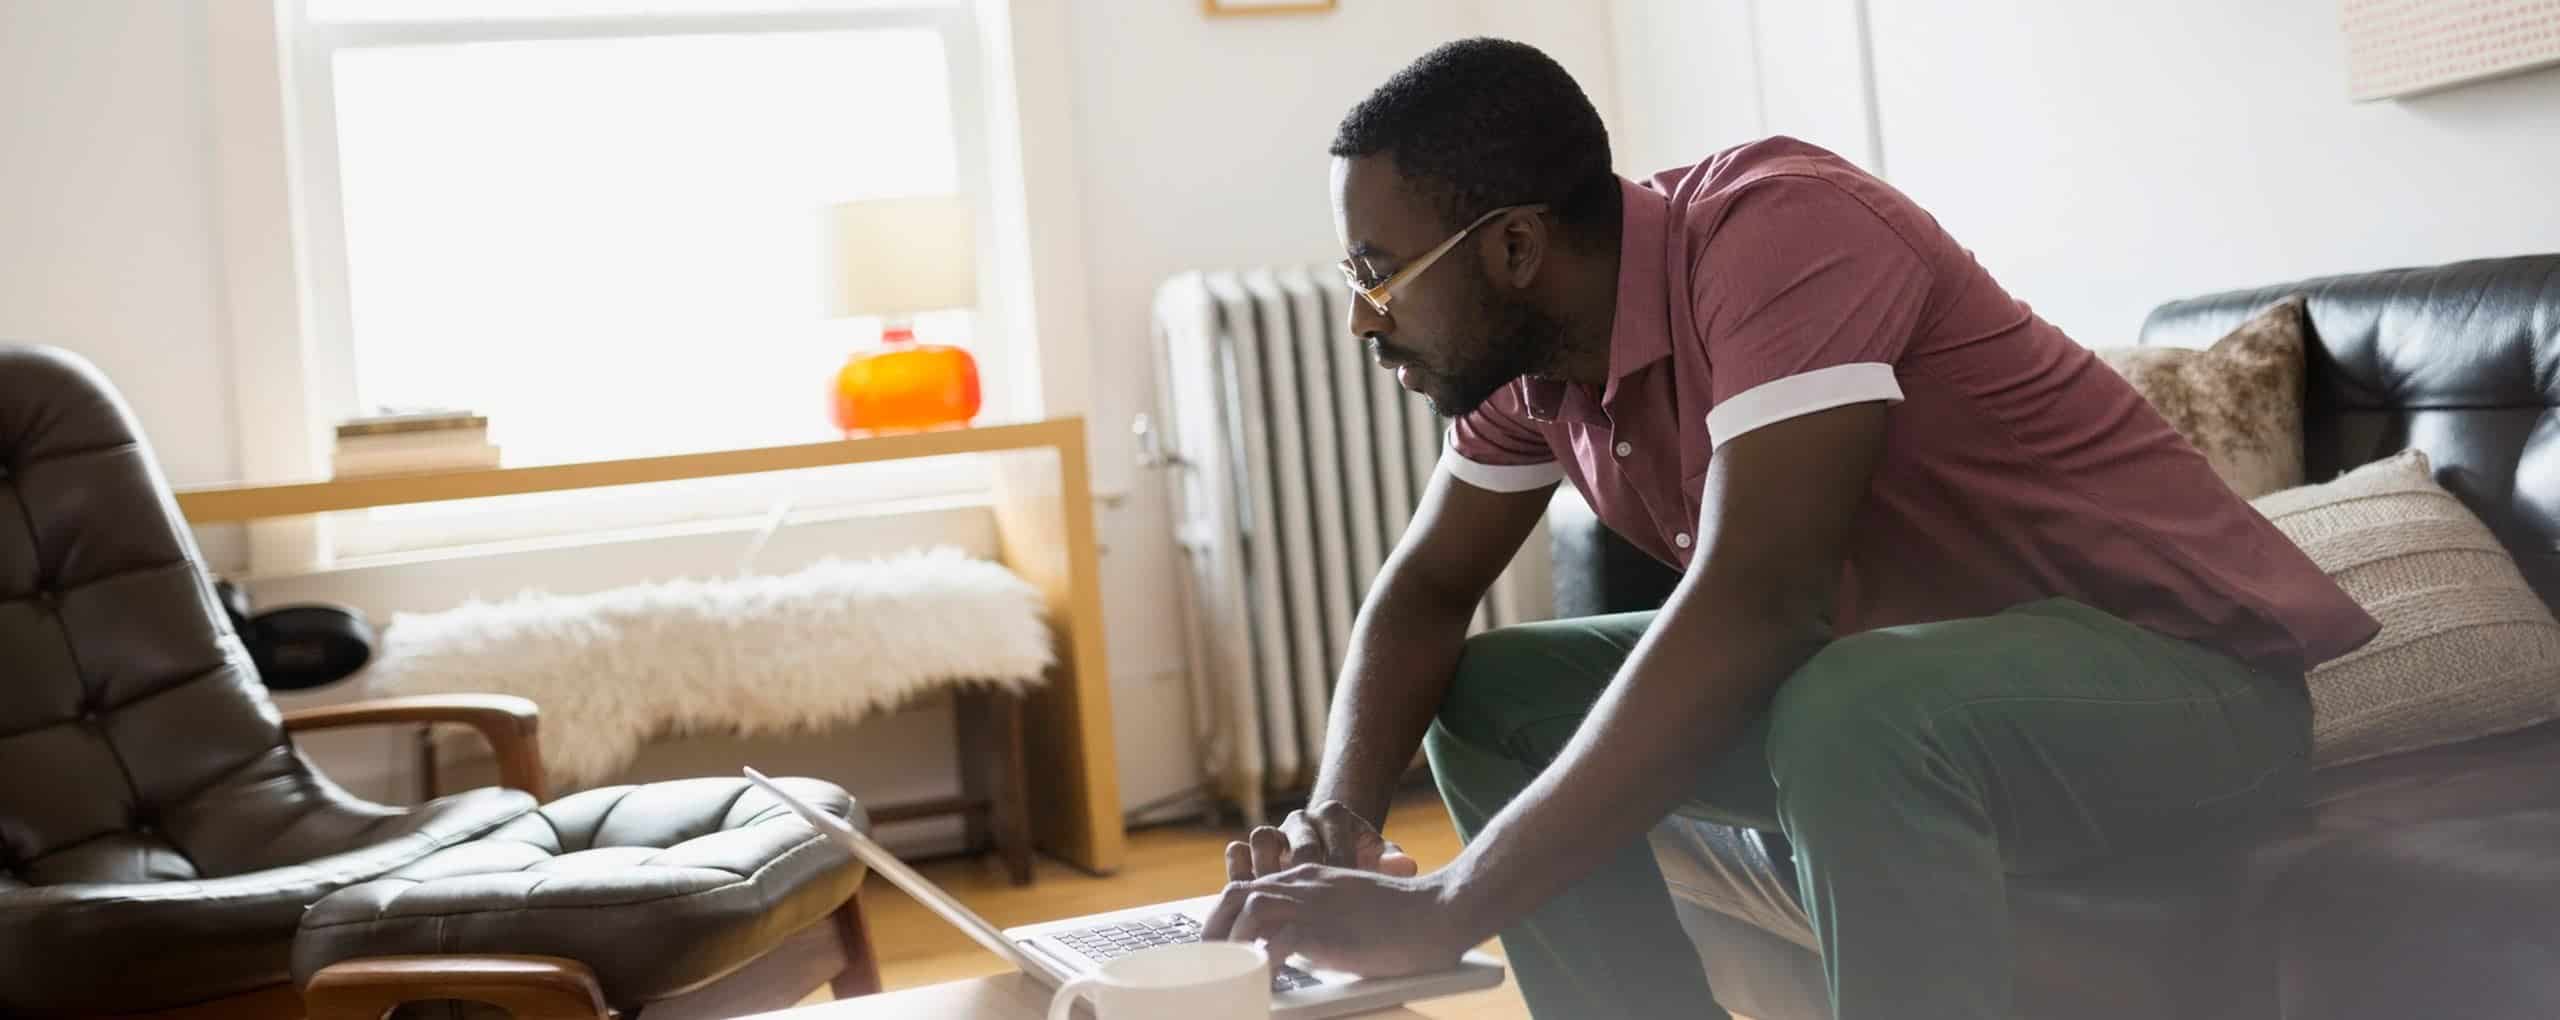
(1913, 769)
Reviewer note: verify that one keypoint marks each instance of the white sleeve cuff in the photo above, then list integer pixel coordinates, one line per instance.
(1798, 395)
(1500, 477)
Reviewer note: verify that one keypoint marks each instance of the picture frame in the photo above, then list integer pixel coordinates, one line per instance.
(1246, 8)
(2397, 49)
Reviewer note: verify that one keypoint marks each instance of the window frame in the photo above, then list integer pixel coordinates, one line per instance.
(328, 355)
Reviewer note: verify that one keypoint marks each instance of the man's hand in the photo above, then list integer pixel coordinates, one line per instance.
(1341, 919)
(1328, 833)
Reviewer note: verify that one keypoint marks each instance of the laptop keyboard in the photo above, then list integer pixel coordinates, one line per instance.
(1106, 942)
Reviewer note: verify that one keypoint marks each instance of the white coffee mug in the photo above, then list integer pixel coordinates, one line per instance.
(1189, 981)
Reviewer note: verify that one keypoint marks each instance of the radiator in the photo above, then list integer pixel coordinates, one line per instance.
(1293, 465)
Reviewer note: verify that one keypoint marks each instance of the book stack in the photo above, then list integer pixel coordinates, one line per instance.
(412, 441)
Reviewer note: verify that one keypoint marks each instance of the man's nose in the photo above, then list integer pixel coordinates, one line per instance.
(1366, 321)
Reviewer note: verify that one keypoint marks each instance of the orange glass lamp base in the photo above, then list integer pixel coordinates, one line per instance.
(906, 386)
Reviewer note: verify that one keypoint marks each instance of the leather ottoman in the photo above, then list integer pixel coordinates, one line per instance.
(660, 889)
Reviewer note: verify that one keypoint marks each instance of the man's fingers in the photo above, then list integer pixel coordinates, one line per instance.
(1265, 913)
(1270, 850)
(1239, 862)
(1306, 842)
(1349, 842)
(1222, 918)
(1392, 860)
(1279, 943)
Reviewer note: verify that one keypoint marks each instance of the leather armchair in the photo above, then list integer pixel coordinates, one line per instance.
(2420, 884)
(160, 836)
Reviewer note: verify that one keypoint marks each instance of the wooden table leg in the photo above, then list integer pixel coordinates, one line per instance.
(1045, 533)
(994, 772)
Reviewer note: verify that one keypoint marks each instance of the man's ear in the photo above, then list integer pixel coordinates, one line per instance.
(1524, 244)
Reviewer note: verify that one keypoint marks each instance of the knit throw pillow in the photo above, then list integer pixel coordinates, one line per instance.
(2238, 402)
(2466, 649)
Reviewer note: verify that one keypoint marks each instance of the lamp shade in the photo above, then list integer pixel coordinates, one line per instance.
(896, 257)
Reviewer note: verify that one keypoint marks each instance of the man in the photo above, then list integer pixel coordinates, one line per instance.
(1956, 603)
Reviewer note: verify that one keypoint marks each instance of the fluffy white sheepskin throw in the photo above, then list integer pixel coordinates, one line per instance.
(751, 655)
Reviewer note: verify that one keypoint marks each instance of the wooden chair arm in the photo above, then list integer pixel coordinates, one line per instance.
(511, 725)
(530, 987)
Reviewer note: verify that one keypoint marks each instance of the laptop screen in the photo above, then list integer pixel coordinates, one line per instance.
(888, 866)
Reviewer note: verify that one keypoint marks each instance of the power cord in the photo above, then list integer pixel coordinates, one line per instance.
(764, 533)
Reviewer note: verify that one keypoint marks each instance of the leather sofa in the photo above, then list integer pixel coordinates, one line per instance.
(163, 843)
(2422, 884)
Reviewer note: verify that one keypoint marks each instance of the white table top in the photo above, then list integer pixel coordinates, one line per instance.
(1002, 997)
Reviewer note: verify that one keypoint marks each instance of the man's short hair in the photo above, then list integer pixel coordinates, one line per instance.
(1485, 123)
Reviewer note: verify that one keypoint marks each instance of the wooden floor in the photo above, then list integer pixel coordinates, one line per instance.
(1174, 862)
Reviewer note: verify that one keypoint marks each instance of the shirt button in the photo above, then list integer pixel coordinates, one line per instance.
(1625, 448)
(1681, 540)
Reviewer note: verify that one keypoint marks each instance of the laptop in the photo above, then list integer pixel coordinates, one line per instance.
(1059, 951)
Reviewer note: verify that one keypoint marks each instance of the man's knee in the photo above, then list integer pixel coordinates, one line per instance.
(1492, 669)
(1853, 719)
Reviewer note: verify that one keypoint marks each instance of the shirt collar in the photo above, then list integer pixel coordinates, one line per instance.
(1640, 333)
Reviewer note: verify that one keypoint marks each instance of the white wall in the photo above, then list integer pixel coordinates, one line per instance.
(1687, 76)
(1199, 142)
(1696, 76)
(2100, 158)
(106, 221)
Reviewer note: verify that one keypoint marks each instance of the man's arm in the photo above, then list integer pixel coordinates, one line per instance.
(1754, 606)
(1403, 651)
(1404, 647)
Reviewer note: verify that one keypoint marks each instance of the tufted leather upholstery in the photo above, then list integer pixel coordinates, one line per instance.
(2424, 878)
(159, 835)
(717, 860)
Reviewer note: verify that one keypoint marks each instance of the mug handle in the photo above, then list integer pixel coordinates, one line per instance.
(1063, 1006)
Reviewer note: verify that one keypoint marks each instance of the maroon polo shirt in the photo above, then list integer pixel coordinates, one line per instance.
(1777, 279)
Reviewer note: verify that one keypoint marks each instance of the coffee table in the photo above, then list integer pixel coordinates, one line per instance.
(1001, 997)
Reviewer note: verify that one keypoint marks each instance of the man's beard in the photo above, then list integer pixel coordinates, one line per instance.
(1517, 339)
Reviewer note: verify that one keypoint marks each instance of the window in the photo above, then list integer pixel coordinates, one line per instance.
(595, 221)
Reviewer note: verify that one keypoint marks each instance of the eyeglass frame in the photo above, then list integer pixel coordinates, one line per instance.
(1380, 295)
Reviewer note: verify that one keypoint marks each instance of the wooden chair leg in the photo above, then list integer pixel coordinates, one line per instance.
(861, 974)
(993, 770)
(528, 987)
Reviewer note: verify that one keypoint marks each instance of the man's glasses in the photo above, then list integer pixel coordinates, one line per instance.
(1381, 293)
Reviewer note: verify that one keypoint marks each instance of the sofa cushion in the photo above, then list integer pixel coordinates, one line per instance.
(2466, 648)
(2450, 918)
(2238, 402)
